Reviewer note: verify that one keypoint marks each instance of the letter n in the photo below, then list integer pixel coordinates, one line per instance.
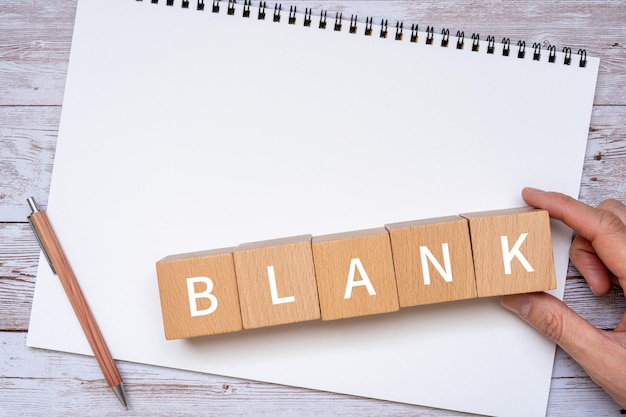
(445, 271)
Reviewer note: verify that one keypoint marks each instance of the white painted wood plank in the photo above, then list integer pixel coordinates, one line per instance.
(28, 140)
(28, 137)
(38, 382)
(36, 36)
(34, 50)
(604, 171)
(19, 255)
(50, 383)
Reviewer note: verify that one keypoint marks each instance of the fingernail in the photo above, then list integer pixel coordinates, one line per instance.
(536, 190)
(519, 304)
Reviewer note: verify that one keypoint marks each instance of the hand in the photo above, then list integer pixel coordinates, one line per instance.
(599, 253)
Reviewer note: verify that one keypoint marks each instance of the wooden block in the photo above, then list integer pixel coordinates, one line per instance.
(355, 275)
(432, 260)
(512, 251)
(276, 281)
(199, 294)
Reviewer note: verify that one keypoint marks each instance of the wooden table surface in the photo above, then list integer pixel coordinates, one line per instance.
(35, 39)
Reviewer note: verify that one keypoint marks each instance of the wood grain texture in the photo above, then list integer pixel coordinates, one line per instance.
(355, 275)
(512, 251)
(211, 309)
(19, 256)
(34, 51)
(28, 135)
(35, 39)
(447, 240)
(276, 281)
(61, 267)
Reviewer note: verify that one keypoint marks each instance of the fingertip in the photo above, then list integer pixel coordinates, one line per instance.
(534, 197)
(613, 205)
(590, 266)
(532, 190)
(528, 192)
(517, 303)
(600, 292)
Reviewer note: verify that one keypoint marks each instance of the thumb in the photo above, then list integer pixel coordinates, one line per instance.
(551, 317)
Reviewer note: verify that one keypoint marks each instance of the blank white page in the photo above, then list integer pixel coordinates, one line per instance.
(186, 130)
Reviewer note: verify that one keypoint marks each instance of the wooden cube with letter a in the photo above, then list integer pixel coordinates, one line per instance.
(355, 275)
(512, 251)
(276, 281)
(199, 294)
(433, 260)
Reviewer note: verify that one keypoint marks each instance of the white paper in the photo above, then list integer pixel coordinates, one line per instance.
(185, 130)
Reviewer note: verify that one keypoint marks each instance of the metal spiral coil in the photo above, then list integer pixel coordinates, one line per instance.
(384, 30)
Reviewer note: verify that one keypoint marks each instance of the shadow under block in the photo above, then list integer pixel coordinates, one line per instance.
(512, 251)
(355, 275)
(432, 260)
(276, 281)
(199, 294)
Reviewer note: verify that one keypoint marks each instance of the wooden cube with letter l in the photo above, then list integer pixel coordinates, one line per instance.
(432, 260)
(355, 275)
(199, 294)
(512, 251)
(276, 281)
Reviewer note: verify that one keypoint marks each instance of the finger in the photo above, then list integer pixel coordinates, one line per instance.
(619, 210)
(586, 220)
(615, 206)
(559, 323)
(602, 227)
(590, 266)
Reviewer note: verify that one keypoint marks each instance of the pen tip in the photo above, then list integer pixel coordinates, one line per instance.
(119, 393)
(32, 204)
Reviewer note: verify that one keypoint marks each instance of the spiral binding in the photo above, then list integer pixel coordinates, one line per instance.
(384, 30)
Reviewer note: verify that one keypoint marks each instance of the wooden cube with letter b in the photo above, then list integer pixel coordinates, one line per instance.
(276, 281)
(433, 260)
(355, 275)
(199, 294)
(512, 251)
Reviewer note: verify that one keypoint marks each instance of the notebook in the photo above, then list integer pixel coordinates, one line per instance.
(188, 127)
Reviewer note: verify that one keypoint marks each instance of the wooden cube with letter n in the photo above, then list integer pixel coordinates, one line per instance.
(276, 281)
(355, 275)
(433, 260)
(199, 294)
(512, 251)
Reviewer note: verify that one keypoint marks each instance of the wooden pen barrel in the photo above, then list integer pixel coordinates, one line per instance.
(87, 321)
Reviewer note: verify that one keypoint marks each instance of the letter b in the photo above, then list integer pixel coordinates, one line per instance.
(194, 296)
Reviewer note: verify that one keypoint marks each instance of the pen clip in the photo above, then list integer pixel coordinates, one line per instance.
(33, 206)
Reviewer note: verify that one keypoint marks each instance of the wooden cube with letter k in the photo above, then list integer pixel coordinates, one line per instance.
(512, 251)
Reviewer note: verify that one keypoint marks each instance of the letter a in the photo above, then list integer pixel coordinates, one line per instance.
(274, 290)
(355, 263)
(507, 256)
(193, 296)
(426, 254)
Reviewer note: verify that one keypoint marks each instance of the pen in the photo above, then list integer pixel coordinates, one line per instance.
(61, 267)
